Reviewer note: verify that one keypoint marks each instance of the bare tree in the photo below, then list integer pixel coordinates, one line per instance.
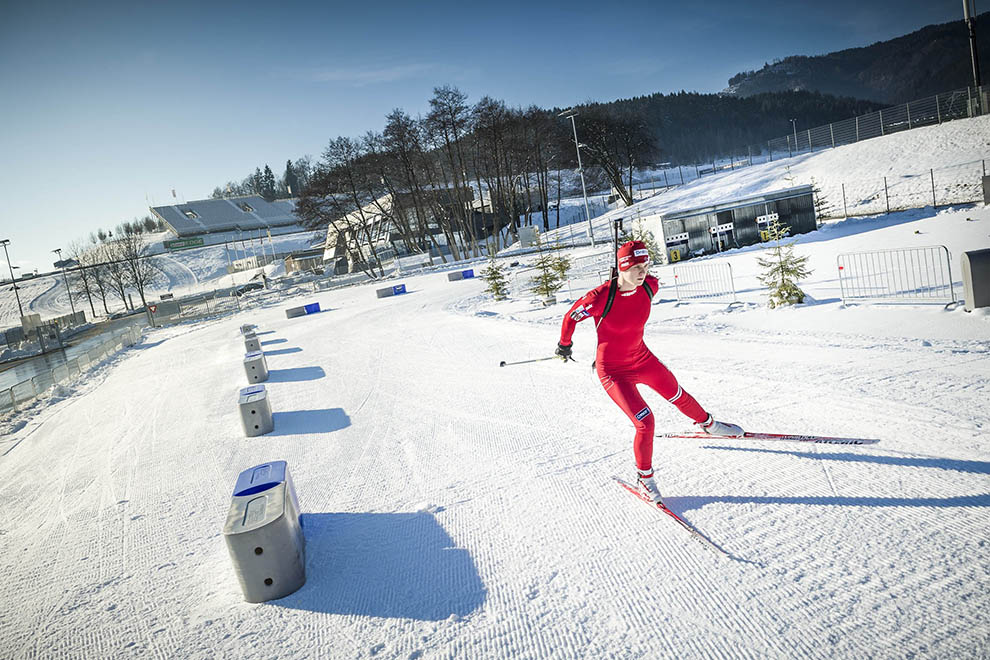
(614, 143)
(83, 276)
(140, 268)
(116, 273)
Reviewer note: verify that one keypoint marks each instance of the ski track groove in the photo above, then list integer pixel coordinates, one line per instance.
(484, 466)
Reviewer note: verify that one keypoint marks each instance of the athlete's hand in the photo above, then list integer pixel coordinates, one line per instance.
(563, 351)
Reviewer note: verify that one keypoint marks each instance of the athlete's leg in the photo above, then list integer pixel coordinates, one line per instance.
(623, 391)
(654, 374)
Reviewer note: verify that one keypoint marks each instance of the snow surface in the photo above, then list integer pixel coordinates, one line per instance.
(453, 508)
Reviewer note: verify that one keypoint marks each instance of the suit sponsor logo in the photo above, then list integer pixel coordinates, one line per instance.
(643, 413)
(580, 313)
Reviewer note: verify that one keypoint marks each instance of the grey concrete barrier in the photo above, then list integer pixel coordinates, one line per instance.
(264, 533)
(256, 411)
(251, 343)
(460, 275)
(293, 312)
(391, 291)
(256, 367)
(976, 278)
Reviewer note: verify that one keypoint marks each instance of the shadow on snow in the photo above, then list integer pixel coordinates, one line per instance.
(388, 565)
(295, 374)
(296, 422)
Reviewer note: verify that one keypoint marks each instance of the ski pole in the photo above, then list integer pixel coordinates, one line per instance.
(503, 363)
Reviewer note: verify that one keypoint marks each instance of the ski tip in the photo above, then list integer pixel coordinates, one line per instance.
(502, 363)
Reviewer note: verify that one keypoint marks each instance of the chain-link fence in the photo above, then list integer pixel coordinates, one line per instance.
(956, 104)
(27, 390)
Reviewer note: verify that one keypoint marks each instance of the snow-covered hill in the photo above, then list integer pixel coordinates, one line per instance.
(456, 509)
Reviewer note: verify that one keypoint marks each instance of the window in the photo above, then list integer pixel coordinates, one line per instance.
(189, 213)
(244, 206)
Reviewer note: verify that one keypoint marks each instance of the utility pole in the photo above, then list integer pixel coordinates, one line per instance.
(61, 264)
(969, 15)
(4, 243)
(584, 191)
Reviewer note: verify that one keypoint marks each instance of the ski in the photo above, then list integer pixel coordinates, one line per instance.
(785, 437)
(660, 506)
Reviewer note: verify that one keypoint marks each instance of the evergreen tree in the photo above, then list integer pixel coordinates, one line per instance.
(549, 277)
(291, 180)
(641, 233)
(494, 277)
(267, 184)
(822, 208)
(782, 269)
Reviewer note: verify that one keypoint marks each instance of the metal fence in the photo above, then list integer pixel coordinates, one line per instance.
(907, 275)
(584, 274)
(704, 283)
(956, 184)
(956, 104)
(27, 390)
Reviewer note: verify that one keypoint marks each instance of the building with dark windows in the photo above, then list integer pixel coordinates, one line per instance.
(732, 224)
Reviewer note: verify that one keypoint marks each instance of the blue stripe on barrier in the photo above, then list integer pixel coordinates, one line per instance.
(260, 478)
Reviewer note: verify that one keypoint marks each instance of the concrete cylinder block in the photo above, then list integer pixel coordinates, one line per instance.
(455, 276)
(256, 367)
(384, 293)
(293, 312)
(264, 535)
(256, 411)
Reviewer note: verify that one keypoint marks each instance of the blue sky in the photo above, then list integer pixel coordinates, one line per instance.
(108, 107)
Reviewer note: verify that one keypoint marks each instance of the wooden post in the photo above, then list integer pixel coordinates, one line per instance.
(831, 132)
(885, 195)
(934, 203)
(938, 109)
(881, 121)
(845, 211)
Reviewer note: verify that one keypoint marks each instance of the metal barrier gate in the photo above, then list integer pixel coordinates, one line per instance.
(705, 283)
(905, 275)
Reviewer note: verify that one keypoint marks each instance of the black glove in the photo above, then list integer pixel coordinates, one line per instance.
(563, 351)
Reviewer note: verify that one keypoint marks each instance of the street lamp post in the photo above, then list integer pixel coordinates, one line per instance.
(570, 114)
(969, 16)
(13, 282)
(794, 126)
(65, 278)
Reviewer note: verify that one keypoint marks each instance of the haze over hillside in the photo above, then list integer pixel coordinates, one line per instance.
(933, 59)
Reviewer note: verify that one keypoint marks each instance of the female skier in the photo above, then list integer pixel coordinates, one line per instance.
(623, 361)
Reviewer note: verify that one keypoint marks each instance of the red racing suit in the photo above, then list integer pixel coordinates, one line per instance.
(623, 361)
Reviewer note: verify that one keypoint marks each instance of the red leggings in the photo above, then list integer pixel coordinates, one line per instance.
(620, 384)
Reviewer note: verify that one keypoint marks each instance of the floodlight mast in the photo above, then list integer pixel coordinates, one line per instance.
(570, 114)
(61, 264)
(13, 282)
(969, 16)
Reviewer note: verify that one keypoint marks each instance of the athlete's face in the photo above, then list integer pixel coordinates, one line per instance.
(634, 276)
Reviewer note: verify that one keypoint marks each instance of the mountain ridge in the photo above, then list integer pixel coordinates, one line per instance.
(925, 62)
